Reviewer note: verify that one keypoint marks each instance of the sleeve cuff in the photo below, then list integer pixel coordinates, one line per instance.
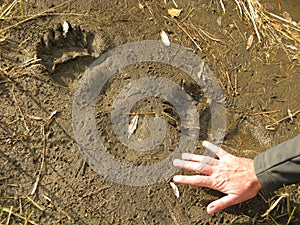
(263, 175)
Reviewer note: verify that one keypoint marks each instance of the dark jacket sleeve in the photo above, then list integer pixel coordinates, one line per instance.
(279, 165)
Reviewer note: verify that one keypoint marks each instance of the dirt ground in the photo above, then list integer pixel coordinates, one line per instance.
(37, 141)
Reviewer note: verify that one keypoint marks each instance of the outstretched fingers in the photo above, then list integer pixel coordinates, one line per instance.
(199, 158)
(215, 149)
(197, 180)
(193, 166)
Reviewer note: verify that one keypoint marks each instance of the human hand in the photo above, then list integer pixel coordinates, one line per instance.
(229, 174)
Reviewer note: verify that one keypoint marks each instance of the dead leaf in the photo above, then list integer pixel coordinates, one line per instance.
(175, 189)
(132, 125)
(250, 41)
(165, 38)
(66, 28)
(174, 12)
(219, 21)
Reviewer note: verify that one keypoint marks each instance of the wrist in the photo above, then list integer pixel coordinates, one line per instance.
(255, 183)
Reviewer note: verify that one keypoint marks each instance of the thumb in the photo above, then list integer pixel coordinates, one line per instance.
(222, 203)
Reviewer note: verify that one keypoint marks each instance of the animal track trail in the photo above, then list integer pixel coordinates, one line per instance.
(66, 51)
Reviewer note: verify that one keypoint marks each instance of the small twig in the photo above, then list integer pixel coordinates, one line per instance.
(279, 5)
(8, 9)
(65, 213)
(18, 215)
(170, 117)
(236, 84)
(229, 82)
(189, 36)
(22, 7)
(30, 62)
(43, 128)
(240, 9)
(42, 163)
(284, 79)
(205, 33)
(9, 215)
(175, 4)
(189, 13)
(275, 204)
(35, 204)
(266, 112)
(222, 6)
(50, 119)
(13, 197)
(3, 178)
(252, 17)
(262, 197)
(46, 14)
(283, 19)
(34, 17)
(291, 216)
(274, 221)
(27, 218)
(271, 126)
(20, 110)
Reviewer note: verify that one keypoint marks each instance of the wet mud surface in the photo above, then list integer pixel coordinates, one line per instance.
(41, 69)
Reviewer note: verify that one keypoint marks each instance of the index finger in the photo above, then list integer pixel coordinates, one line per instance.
(215, 149)
(197, 180)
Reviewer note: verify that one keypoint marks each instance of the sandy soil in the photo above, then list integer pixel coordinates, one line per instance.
(37, 140)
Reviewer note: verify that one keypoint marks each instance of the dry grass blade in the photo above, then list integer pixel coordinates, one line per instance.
(222, 6)
(7, 210)
(291, 115)
(205, 33)
(254, 17)
(271, 28)
(291, 216)
(35, 204)
(27, 218)
(175, 4)
(189, 35)
(2, 31)
(9, 215)
(42, 161)
(239, 7)
(22, 8)
(285, 195)
(8, 9)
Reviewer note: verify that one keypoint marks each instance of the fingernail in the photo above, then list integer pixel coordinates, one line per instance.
(210, 209)
(177, 162)
(205, 143)
(186, 156)
(176, 178)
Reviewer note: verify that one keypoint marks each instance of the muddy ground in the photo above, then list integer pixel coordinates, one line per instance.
(37, 141)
